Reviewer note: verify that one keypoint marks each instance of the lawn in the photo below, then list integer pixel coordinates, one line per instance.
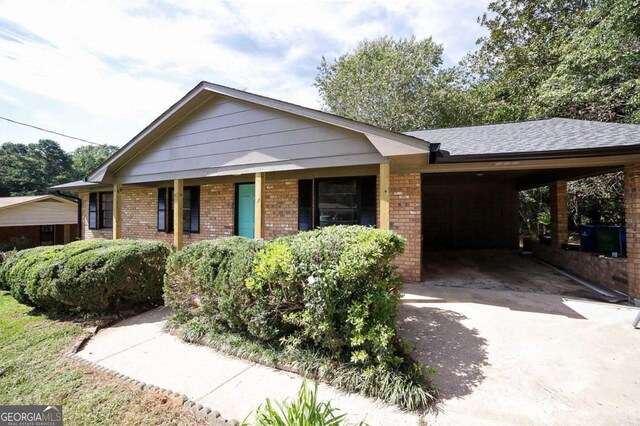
(34, 370)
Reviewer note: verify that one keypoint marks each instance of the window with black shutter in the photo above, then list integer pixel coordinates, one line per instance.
(190, 209)
(336, 201)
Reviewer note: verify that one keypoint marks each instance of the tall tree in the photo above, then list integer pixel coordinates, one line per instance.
(30, 169)
(395, 84)
(87, 158)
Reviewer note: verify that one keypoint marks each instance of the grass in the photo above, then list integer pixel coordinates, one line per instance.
(405, 387)
(34, 370)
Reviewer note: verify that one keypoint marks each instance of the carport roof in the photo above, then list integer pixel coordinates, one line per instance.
(546, 137)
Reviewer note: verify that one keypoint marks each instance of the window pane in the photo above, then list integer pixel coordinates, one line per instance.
(106, 206)
(337, 202)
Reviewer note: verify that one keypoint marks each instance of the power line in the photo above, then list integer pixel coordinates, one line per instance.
(50, 131)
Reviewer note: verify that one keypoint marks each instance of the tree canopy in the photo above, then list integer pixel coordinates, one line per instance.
(30, 169)
(399, 84)
(541, 58)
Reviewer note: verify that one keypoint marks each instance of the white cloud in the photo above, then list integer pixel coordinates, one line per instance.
(104, 70)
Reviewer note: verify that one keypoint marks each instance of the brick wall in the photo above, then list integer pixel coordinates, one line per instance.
(632, 224)
(217, 204)
(405, 212)
(281, 208)
(559, 213)
(140, 214)
(605, 271)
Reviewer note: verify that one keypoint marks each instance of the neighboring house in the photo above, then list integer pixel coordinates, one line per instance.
(38, 220)
(226, 162)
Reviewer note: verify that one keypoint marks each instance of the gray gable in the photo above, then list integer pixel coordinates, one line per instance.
(548, 135)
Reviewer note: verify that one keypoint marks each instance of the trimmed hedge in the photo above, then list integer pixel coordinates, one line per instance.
(331, 289)
(90, 276)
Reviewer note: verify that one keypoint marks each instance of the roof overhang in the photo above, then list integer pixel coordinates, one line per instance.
(388, 143)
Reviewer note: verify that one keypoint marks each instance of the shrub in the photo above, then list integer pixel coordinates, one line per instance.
(207, 280)
(321, 302)
(92, 276)
(333, 289)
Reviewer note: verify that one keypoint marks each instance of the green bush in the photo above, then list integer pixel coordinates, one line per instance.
(332, 289)
(91, 276)
(207, 280)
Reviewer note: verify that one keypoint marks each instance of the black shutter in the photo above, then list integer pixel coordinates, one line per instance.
(305, 204)
(93, 210)
(162, 209)
(367, 213)
(195, 209)
(170, 210)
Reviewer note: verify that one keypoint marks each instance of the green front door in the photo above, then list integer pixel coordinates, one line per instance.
(246, 209)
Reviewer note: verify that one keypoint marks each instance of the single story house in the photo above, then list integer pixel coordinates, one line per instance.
(38, 220)
(227, 162)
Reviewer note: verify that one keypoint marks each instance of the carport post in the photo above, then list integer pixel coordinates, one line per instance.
(632, 225)
(559, 214)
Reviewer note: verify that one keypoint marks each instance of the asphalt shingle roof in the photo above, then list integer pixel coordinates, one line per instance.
(554, 134)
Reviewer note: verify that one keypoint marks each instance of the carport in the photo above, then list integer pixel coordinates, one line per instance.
(470, 193)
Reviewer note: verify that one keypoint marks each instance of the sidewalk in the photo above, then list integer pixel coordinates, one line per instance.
(138, 348)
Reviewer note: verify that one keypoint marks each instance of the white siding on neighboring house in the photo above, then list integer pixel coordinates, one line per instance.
(226, 136)
(46, 212)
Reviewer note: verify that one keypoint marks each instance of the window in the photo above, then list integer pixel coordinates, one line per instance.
(101, 210)
(190, 209)
(47, 237)
(339, 201)
(106, 210)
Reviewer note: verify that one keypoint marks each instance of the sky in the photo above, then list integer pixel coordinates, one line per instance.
(102, 71)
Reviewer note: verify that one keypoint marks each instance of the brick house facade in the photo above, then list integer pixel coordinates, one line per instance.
(217, 204)
(259, 166)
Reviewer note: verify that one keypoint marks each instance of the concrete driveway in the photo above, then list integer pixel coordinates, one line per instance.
(507, 357)
(503, 357)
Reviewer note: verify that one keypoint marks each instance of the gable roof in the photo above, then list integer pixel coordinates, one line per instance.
(552, 136)
(387, 143)
(10, 202)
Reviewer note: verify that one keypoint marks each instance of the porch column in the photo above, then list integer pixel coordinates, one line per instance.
(559, 214)
(178, 201)
(259, 208)
(632, 219)
(117, 212)
(384, 196)
(67, 233)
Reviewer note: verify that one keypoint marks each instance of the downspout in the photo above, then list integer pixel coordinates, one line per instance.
(78, 201)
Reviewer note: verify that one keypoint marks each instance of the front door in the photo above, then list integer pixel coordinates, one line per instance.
(246, 202)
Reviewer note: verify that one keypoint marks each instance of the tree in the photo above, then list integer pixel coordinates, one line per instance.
(574, 59)
(88, 158)
(597, 76)
(398, 85)
(30, 169)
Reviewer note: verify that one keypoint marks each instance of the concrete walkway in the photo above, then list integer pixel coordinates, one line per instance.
(138, 348)
(502, 358)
